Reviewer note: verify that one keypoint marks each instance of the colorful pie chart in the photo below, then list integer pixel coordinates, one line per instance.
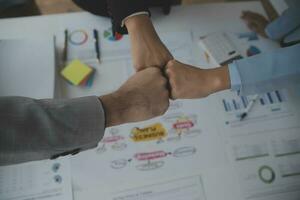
(266, 174)
(78, 37)
(109, 36)
(253, 50)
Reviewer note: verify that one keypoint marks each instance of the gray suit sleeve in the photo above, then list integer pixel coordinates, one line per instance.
(41, 129)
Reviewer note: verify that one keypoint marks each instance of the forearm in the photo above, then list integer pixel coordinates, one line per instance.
(140, 25)
(40, 129)
(218, 79)
(114, 108)
(146, 47)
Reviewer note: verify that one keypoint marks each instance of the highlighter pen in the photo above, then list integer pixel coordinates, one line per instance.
(249, 107)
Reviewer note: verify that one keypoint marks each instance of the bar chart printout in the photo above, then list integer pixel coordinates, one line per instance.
(241, 103)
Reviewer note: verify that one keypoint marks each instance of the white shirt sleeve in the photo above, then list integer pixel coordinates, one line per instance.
(134, 14)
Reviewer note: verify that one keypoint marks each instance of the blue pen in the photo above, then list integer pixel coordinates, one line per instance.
(96, 36)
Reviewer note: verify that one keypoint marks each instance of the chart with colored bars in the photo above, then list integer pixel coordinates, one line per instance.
(241, 103)
(274, 108)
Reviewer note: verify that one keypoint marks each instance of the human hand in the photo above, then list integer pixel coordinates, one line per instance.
(141, 97)
(255, 22)
(146, 47)
(188, 82)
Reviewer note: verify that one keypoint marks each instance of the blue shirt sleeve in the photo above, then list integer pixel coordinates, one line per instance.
(285, 24)
(235, 79)
(269, 71)
(293, 37)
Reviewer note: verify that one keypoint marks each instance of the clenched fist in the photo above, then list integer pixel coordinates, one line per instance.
(146, 47)
(141, 97)
(188, 82)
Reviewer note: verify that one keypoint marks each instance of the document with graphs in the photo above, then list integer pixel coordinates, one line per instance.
(39, 180)
(199, 149)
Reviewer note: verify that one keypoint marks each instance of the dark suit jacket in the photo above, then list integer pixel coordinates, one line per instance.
(116, 9)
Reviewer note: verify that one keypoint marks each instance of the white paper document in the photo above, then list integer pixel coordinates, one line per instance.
(181, 141)
(258, 156)
(264, 148)
(189, 188)
(40, 180)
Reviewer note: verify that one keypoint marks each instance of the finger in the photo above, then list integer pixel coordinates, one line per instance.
(167, 78)
(253, 26)
(172, 92)
(245, 14)
(167, 72)
(172, 96)
(139, 68)
(250, 16)
(256, 17)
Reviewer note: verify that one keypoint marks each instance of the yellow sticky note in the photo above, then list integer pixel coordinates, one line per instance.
(76, 72)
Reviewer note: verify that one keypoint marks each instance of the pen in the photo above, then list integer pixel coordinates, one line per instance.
(66, 46)
(249, 107)
(96, 36)
(207, 58)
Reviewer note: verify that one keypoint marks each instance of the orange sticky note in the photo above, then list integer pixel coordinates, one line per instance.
(76, 72)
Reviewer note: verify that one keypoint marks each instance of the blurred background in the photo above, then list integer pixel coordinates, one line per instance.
(20, 8)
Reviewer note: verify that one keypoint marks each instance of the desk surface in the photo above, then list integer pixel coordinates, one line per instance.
(221, 16)
(200, 19)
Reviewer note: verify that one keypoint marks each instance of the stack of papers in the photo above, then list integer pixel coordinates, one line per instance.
(78, 73)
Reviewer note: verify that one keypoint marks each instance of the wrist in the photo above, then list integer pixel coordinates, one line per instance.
(112, 109)
(137, 22)
(141, 27)
(219, 79)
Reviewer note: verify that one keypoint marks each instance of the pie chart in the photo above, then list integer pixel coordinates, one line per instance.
(109, 36)
(266, 174)
(78, 37)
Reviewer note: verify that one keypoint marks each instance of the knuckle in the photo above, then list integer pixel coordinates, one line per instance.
(172, 62)
(169, 72)
(176, 92)
(160, 80)
(173, 95)
(163, 81)
(173, 83)
(156, 69)
(153, 70)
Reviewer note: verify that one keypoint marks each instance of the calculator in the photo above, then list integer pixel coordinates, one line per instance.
(220, 47)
